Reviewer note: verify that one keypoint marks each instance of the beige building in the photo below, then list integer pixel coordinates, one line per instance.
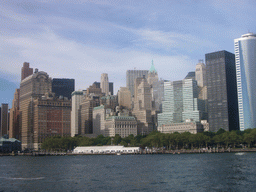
(124, 97)
(26, 71)
(104, 84)
(121, 125)
(31, 87)
(143, 106)
(200, 74)
(188, 126)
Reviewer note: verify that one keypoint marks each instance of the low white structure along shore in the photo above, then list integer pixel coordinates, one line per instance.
(105, 149)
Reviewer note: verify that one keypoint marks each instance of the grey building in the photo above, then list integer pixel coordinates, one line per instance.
(4, 119)
(132, 75)
(221, 91)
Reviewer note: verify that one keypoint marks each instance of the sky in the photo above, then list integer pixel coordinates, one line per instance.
(85, 38)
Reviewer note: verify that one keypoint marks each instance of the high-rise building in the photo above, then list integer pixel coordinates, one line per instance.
(63, 87)
(132, 75)
(221, 91)
(152, 75)
(200, 74)
(124, 97)
(104, 85)
(181, 103)
(77, 97)
(34, 86)
(51, 117)
(14, 130)
(4, 119)
(143, 106)
(245, 51)
(26, 71)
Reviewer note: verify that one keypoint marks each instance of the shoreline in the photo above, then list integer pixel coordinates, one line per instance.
(144, 152)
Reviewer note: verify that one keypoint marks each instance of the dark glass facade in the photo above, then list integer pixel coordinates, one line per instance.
(63, 87)
(222, 91)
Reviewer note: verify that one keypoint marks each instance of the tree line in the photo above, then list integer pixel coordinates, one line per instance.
(156, 139)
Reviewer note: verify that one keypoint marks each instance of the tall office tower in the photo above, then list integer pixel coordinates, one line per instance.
(104, 83)
(26, 71)
(34, 86)
(77, 97)
(14, 130)
(131, 76)
(181, 103)
(143, 106)
(124, 97)
(4, 119)
(63, 87)
(152, 75)
(200, 74)
(245, 51)
(86, 107)
(51, 117)
(221, 91)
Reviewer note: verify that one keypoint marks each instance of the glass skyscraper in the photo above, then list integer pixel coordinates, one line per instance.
(221, 91)
(181, 102)
(245, 51)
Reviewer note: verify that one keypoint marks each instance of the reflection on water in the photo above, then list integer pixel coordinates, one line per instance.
(185, 172)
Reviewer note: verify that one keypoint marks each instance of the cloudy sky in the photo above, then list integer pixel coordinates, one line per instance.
(83, 39)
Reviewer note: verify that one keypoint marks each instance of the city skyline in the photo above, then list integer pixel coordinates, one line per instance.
(83, 40)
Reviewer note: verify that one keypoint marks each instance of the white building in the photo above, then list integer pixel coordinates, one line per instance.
(245, 52)
(105, 150)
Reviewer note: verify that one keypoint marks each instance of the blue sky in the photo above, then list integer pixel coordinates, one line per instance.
(85, 38)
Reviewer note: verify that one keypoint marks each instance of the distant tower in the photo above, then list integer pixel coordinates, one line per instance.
(77, 97)
(221, 91)
(201, 74)
(26, 71)
(4, 119)
(245, 50)
(152, 75)
(14, 130)
(143, 106)
(32, 87)
(132, 75)
(104, 85)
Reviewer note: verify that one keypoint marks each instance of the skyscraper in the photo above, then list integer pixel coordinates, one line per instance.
(34, 86)
(4, 119)
(104, 83)
(132, 75)
(221, 91)
(245, 51)
(77, 97)
(63, 87)
(14, 130)
(200, 74)
(26, 71)
(181, 103)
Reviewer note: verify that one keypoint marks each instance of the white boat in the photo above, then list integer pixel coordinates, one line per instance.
(240, 153)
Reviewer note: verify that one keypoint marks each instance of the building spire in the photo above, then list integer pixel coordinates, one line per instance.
(152, 68)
